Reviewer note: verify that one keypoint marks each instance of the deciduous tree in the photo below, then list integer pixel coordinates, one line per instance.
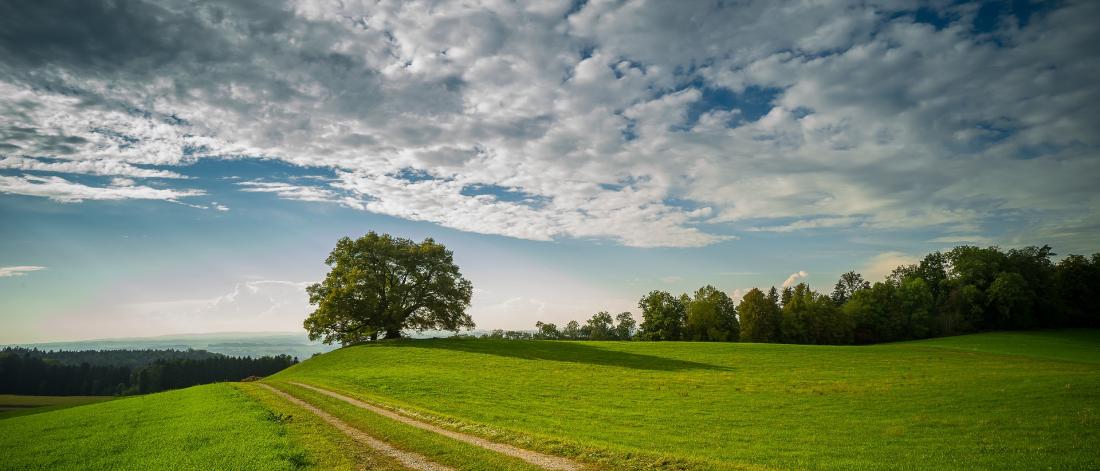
(711, 316)
(662, 316)
(384, 284)
(626, 326)
(758, 316)
(847, 285)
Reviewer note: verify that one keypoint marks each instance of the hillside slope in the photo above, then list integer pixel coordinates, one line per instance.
(1079, 345)
(205, 427)
(744, 404)
(986, 401)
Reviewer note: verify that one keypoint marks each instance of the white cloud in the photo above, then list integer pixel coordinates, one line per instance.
(963, 239)
(107, 167)
(868, 119)
(18, 270)
(739, 293)
(627, 215)
(289, 191)
(791, 280)
(881, 265)
(806, 224)
(65, 191)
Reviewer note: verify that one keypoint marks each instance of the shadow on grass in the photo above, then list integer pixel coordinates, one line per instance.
(570, 352)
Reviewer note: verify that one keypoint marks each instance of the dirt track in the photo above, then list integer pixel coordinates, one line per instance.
(409, 459)
(541, 460)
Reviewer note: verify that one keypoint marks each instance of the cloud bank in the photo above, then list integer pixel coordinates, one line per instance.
(645, 123)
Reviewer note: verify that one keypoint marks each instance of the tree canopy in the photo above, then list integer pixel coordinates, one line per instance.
(384, 284)
(711, 316)
(662, 316)
(966, 289)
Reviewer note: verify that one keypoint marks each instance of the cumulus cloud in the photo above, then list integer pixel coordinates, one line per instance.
(443, 201)
(18, 270)
(791, 280)
(646, 123)
(879, 266)
(65, 191)
(90, 167)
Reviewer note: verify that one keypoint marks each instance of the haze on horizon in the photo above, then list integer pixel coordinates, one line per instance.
(176, 167)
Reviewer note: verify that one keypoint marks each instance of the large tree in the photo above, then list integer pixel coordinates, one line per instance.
(662, 316)
(848, 284)
(711, 316)
(1012, 299)
(759, 316)
(624, 330)
(384, 284)
(1077, 288)
(600, 327)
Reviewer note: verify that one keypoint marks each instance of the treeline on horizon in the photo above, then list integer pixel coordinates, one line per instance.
(967, 289)
(124, 372)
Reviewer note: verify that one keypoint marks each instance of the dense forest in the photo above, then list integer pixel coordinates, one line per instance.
(120, 372)
(130, 358)
(964, 290)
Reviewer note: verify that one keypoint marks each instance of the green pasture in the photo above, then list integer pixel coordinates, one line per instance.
(980, 401)
(1020, 400)
(215, 426)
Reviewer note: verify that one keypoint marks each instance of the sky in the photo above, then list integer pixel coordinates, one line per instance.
(180, 166)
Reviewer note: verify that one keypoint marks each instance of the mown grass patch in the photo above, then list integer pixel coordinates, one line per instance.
(785, 406)
(214, 426)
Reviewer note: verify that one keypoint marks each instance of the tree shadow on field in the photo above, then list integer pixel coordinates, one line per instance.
(564, 351)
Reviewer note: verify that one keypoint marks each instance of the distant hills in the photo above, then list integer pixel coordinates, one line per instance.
(237, 344)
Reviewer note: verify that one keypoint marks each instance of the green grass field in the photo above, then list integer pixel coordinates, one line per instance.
(14, 406)
(1080, 345)
(215, 426)
(980, 401)
(1024, 400)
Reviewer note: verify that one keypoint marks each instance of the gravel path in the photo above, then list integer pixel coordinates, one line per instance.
(409, 459)
(538, 459)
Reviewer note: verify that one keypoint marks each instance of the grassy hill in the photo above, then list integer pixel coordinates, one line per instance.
(992, 401)
(205, 427)
(984, 400)
(1080, 345)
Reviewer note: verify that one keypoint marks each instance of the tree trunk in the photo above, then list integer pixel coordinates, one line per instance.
(393, 333)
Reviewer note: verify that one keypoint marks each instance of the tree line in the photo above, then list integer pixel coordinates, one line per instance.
(37, 372)
(964, 290)
(132, 358)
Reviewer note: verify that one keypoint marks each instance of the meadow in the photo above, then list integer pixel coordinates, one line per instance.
(979, 401)
(1017, 400)
(214, 426)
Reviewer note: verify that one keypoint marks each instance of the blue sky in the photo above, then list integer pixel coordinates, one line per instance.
(169, 167)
